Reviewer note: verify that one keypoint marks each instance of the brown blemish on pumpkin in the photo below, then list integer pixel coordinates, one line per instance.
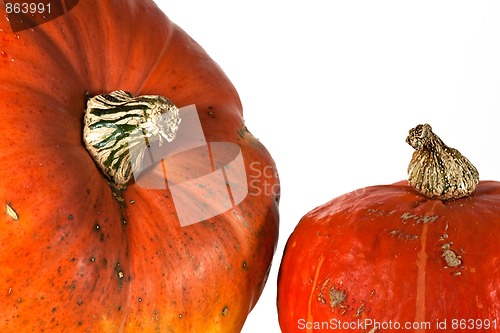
(72, 286)
(97, 228)
(117, 193)
(225, 310)
(336, 297)
(242, 131)
(451, 258)
(211, 114)
(11, 212)
(119, 274)
(104, 262)
(443, 237)
(380, 212)
(321, 297)
(401, 235)
(360, 310)
(418, 218)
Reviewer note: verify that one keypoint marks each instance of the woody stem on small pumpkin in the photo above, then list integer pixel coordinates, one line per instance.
(436, 170)
(118, 127)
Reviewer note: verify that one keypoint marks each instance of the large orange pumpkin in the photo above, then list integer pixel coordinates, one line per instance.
(77, 252)
(389, 259)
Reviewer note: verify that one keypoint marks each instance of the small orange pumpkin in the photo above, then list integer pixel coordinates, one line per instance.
(416, 256)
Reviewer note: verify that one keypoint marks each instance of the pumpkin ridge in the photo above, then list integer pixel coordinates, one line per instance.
(313, 289)
(421, 263)
(167, 45)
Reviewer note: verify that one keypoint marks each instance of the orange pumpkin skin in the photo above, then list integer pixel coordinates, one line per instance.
(379, 256)
(72, 259)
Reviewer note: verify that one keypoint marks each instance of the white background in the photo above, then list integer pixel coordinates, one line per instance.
(332, 87)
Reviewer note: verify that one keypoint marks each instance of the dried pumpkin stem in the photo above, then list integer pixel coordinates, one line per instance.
(436, 170)
(117, 124)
